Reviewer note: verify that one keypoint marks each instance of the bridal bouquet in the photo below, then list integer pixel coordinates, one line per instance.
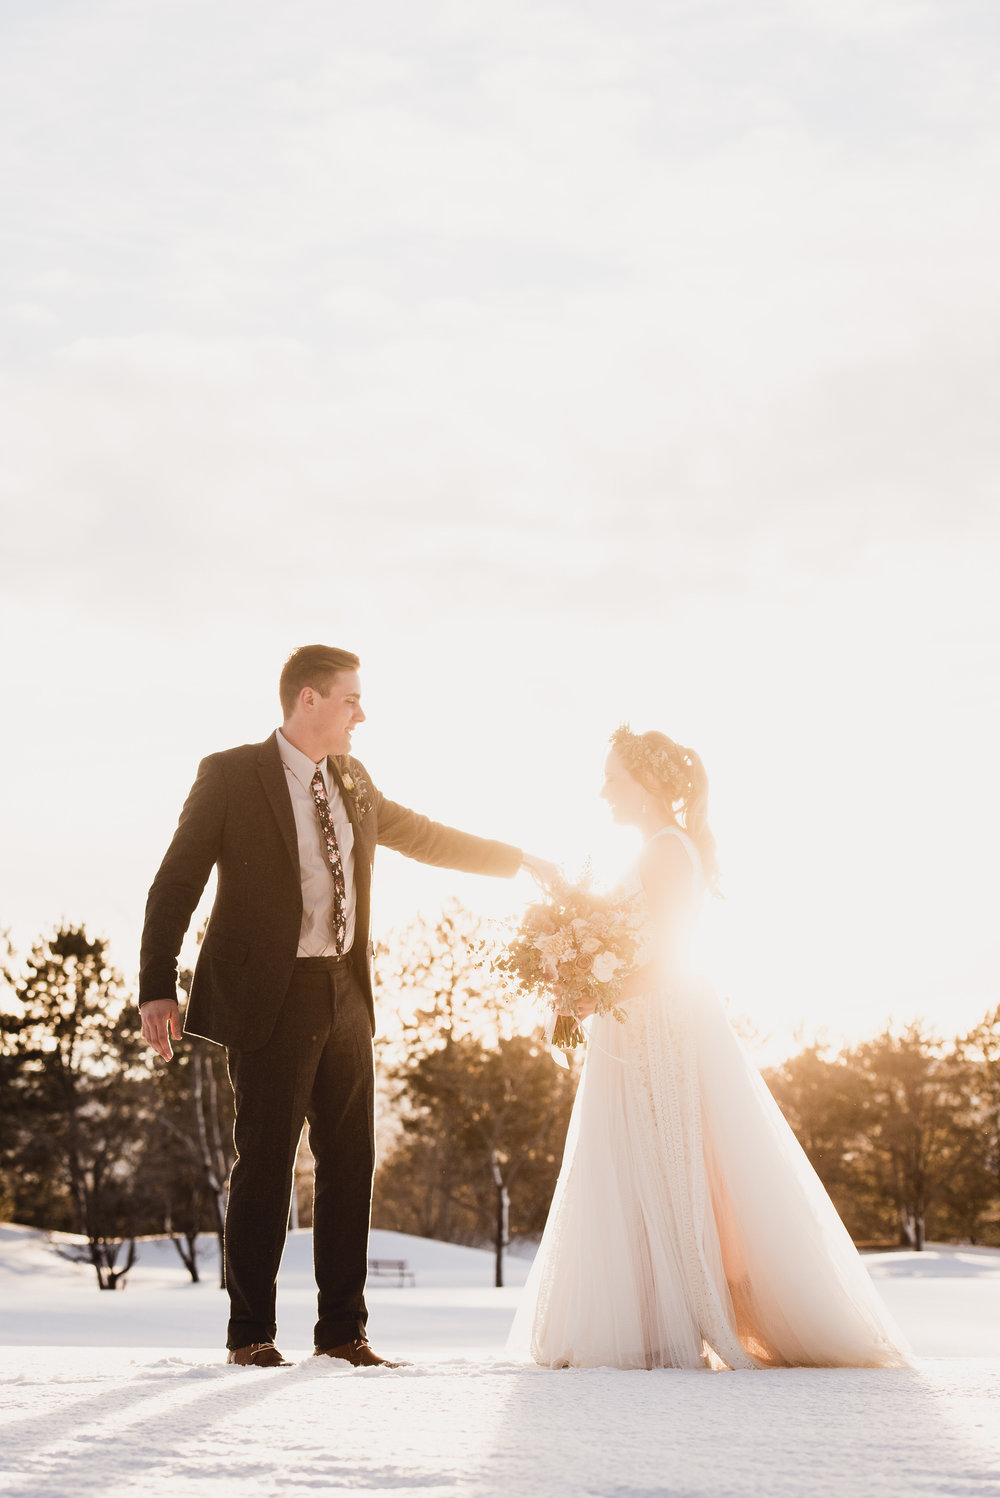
(576, 944)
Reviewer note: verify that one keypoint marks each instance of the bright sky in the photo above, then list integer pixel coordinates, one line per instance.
(573, 363)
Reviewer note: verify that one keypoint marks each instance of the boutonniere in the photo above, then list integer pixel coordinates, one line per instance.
(357, 787)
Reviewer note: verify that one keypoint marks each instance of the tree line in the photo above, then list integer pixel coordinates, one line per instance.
(99, 1140)
(904, 1132)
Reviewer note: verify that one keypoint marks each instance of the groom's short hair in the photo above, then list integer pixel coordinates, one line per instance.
(312, 666)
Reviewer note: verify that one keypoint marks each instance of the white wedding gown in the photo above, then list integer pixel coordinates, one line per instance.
(688, 1229)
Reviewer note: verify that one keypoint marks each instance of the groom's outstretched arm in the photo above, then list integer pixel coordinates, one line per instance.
(446, 847)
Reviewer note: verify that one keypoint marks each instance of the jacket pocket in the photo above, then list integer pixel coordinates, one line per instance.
(227, 949)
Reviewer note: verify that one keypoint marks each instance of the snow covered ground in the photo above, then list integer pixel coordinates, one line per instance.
(126, 1393)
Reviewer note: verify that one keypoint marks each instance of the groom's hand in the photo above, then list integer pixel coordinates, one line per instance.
(161, 1018)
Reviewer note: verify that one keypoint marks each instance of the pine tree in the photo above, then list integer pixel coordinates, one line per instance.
(77, 1078)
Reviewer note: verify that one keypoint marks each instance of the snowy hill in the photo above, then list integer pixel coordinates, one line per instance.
(127, 1392)
(947, 1299)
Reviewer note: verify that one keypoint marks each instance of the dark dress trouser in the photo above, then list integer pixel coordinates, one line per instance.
(317, 1065)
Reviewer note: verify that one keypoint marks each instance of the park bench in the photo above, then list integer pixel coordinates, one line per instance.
(397, 1267)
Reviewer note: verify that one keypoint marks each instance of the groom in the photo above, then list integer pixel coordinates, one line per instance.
(283, 981)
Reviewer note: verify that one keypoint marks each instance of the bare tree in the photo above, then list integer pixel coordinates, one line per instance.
(194, 1112)
(482, 1112)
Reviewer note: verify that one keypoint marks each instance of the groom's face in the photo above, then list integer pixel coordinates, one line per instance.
(337, 714)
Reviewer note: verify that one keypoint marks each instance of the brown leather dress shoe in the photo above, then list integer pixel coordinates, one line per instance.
(258, 1355)
(357, 1353)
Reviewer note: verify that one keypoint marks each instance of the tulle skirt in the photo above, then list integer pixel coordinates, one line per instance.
(688, 1229)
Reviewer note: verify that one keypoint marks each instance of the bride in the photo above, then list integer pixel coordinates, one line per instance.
(687, 1229)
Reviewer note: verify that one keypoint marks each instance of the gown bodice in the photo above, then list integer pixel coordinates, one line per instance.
(631, 891)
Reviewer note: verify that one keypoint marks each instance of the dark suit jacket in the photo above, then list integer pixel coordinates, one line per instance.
(238, 817)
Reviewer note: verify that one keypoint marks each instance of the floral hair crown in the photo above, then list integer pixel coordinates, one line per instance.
(652, 761)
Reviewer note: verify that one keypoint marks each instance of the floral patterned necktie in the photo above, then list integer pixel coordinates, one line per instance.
(332, 847)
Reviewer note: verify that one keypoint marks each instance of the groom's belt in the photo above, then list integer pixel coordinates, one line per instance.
(322, 964)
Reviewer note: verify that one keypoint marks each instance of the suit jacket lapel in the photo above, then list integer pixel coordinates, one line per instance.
(272, 776)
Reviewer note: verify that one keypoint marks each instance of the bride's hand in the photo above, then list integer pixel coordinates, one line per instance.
(544, 873)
